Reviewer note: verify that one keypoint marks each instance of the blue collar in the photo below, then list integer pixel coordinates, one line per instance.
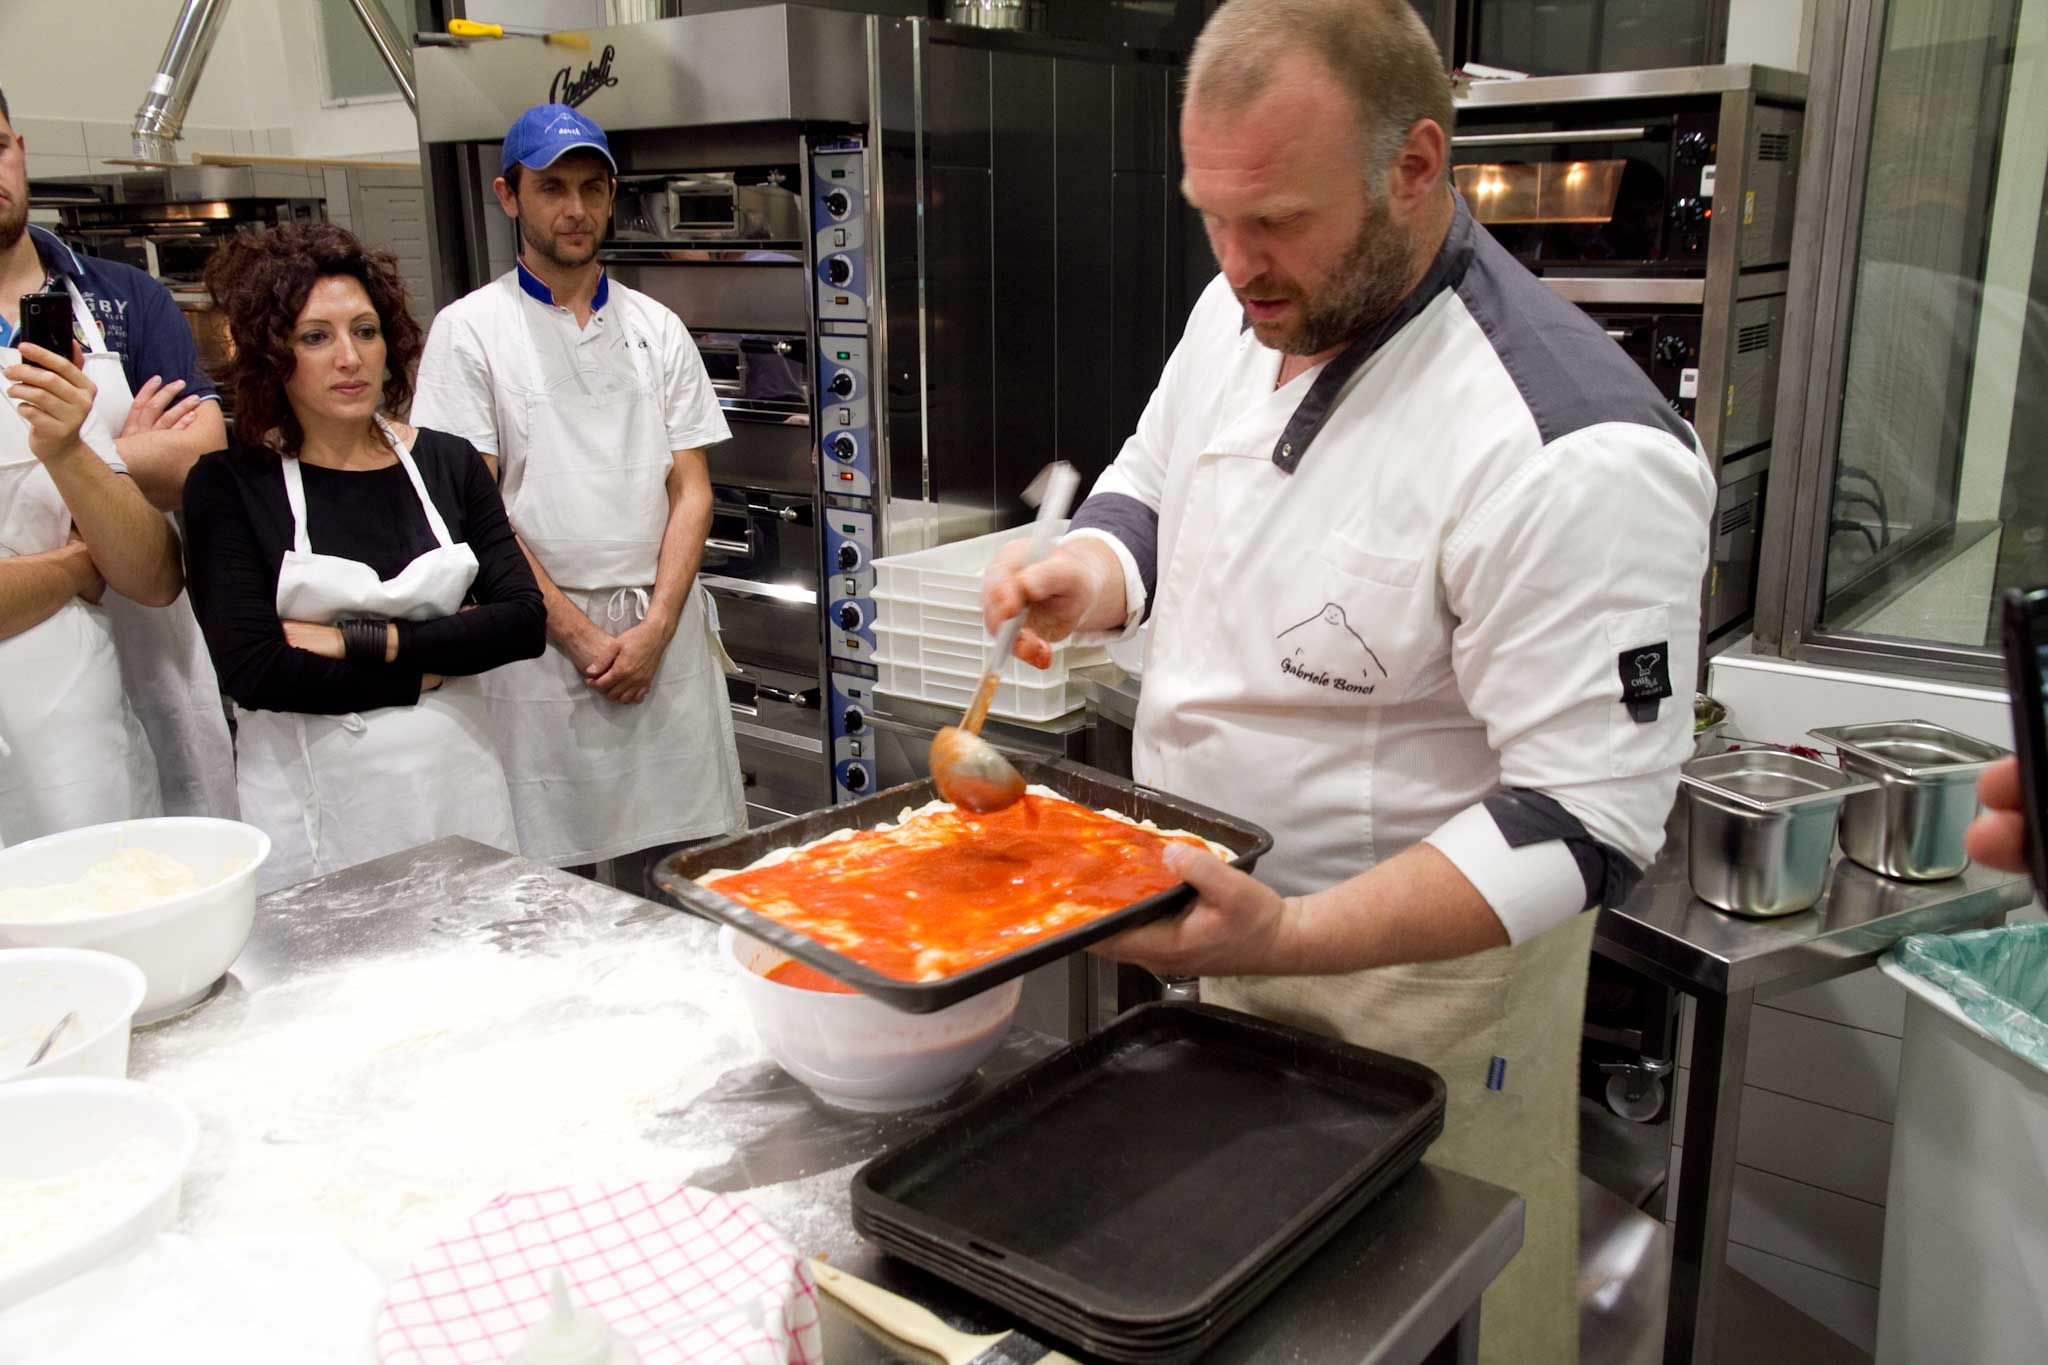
(55, 255)
(531, 283)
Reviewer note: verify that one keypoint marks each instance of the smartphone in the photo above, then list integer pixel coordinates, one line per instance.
(2026, 664)
(46, 321)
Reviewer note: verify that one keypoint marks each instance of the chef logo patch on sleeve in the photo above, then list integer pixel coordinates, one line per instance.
(1645, 680)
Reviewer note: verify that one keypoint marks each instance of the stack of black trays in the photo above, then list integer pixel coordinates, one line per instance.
(1138, 1193)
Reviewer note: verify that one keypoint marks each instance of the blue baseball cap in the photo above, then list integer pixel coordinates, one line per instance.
(539, 137)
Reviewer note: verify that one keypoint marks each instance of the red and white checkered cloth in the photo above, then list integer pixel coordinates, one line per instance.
(686, 1275)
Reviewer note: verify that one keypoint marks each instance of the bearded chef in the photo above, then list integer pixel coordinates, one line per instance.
(1421, 549)
(590, 402)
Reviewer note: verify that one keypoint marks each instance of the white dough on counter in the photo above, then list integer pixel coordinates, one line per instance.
(127, 880)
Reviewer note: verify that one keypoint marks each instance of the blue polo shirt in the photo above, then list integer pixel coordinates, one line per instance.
(141, 322)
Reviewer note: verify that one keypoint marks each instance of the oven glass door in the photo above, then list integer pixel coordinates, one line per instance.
(1620, 193)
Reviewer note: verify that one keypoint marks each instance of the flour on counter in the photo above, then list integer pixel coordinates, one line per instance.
(388, 1102)
(41, 1217)
(127, 879)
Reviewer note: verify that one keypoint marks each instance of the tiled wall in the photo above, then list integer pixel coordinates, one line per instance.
(62, 147)
(1813, 1149)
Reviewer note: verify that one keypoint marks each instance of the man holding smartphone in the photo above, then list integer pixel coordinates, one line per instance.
(160, 411)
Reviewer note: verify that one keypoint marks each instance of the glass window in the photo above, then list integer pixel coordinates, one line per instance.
(354, 70)
(1940, 487)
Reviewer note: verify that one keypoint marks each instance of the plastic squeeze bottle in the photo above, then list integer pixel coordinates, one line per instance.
(569, 1335)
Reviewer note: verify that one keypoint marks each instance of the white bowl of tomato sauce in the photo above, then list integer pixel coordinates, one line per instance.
(857, 1053)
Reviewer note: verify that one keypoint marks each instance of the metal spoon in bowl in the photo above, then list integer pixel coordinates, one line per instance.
(966, 768)
(50, 1039)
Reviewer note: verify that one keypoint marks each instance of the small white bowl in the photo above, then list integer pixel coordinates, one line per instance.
(183, 944)
(860, 1054)
(39, 986)
(66, 1128)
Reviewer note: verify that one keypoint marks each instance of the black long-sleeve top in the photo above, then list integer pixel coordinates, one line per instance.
(238, 526)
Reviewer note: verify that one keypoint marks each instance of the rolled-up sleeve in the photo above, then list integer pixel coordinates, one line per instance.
(1576, 586)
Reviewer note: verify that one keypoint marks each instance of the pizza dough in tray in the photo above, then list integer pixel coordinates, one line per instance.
(930, 808)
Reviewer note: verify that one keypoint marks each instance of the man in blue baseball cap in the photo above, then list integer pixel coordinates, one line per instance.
(592, 404)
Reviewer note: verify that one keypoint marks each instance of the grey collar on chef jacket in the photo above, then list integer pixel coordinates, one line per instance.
(532, 284)
(1314, 411)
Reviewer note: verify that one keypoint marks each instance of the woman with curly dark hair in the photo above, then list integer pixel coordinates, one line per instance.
(351, 574)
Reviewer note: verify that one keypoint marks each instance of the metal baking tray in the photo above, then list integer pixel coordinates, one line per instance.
(676, 876)
(1238, 1143)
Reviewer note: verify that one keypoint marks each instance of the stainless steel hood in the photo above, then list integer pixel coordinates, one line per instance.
(771, 64)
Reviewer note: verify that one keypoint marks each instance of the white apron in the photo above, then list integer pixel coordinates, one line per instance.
(334, 791)
(592, 779)
(72, 752)
(165, 668)
(1299, 771)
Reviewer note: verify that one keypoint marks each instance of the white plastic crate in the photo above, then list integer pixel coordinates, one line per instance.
(946, 575)
(1022, 700)
(962, 656)
(931, 643)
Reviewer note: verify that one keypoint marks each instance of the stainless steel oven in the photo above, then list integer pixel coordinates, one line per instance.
(762, 206)
(1661, 203)
(1598, 192)
(919, 260)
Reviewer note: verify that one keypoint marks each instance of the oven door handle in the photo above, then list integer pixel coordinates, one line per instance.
(767, 592)
(747, 693)
(1559, 135)
(742, 548)
(798, 514)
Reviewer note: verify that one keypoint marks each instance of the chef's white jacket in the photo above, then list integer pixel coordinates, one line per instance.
(1444, 587)
(494, 353)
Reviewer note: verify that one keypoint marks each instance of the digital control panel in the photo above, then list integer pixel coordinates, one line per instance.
(846, 452)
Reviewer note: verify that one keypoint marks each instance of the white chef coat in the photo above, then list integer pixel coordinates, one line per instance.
(480, 374)
(1414, 621)
(584, 420)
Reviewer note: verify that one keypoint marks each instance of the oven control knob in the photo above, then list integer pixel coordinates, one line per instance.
(1692, 147)
(849, 556)
(855, 720)
(842, 447)
(1689, 212)
(838, 271)
(856, 779)
(1672, 351)
(848, 615)
(838, 204)
(841, 383)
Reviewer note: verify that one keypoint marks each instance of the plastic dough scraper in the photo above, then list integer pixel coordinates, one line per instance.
(920, 1327)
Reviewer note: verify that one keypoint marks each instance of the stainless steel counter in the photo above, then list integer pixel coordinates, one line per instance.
(1721, 960)
(403, 1040)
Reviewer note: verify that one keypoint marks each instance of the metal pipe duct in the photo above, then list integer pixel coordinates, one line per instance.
(391, 46)
(162, 115)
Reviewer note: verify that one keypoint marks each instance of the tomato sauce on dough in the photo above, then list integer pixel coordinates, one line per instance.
(805, 977)
(945, 891)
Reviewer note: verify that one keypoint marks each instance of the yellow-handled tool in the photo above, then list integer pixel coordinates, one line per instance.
(470, 28)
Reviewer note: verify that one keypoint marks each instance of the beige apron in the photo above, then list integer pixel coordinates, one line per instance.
(1524, 1006)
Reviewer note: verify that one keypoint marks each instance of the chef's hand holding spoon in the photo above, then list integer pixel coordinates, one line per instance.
(966, 768)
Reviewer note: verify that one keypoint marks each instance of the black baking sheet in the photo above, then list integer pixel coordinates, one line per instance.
(676, 876)
(1129, 1191)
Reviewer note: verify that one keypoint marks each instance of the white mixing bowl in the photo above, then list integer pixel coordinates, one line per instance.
(106, 1159)
(183, 944)
(39, 986)
(859, 1053)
